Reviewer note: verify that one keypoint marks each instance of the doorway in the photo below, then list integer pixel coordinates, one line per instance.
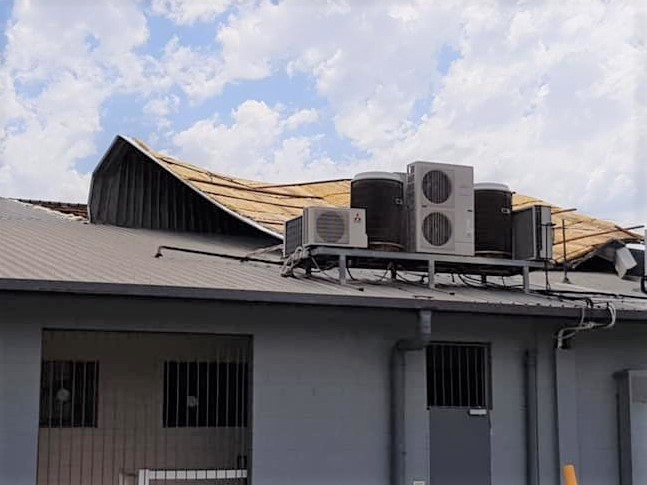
(459, 403)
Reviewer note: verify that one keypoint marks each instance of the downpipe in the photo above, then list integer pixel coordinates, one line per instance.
(643, 279)
(532, 423)
(397, 394)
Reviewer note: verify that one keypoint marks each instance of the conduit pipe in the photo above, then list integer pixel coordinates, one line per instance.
(643, 279)
(397, 383)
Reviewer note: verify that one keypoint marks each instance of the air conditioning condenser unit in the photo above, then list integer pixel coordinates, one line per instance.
(440, 203)
(326, 226)
(532, 233)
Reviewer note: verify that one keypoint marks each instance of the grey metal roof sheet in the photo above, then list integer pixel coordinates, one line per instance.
(39, 246)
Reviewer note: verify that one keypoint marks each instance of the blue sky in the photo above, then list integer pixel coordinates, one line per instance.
(529, 94)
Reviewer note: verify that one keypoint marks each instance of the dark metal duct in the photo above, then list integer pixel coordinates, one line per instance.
(493, 220)
(381, 194)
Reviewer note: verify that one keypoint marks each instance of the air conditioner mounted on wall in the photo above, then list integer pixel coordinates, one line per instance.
(440, 203)
(326, 226)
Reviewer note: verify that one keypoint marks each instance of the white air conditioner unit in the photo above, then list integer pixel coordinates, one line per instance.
(440, 202)
(327, 226)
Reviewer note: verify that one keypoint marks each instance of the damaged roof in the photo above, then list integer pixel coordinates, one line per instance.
(266, 207)
(270, 205)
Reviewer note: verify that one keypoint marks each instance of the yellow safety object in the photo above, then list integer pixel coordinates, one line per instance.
(569, 475)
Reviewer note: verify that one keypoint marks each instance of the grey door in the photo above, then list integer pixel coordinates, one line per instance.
(459, 446)
(459, 401)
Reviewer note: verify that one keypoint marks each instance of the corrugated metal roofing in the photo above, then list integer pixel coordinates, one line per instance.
(270, 205)
(41, 245)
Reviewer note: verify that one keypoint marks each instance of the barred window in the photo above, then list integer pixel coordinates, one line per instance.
(458, 375)
(69, 394)
(205, 394)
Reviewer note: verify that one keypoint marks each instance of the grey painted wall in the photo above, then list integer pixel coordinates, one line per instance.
(19, 401)
(598, 356)
(320, 402)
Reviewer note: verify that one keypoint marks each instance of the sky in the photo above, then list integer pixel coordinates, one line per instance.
(547, 96)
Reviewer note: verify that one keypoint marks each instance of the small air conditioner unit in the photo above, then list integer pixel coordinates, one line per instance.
(532, 233)
(440, 203)
(326, 226)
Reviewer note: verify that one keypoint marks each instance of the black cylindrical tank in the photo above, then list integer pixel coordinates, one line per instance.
(493, 220)
(382, 195)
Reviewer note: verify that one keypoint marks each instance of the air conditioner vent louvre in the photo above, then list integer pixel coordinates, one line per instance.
(292, 235)
(332, 227)
(437, 229)
(437, 186)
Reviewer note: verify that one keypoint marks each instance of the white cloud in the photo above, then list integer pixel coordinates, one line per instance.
(256, 144)
(198, 74)
(543, 94)
(300, 118)
(187, 12)
(60, 64)
(547, 96)
(158, 110)
(381, 58)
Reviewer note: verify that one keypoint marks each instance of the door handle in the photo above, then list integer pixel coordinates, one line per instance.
(477, 412)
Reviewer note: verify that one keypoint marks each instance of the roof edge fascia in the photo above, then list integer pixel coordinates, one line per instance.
(131, 290)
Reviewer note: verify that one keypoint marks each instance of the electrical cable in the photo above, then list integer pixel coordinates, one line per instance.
(567, 333)
(234, 257)
(592, 292)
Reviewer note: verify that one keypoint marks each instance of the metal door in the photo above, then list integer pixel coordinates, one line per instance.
(458, 396)
(459, 446)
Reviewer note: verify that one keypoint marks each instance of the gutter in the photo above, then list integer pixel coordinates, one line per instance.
(266, 296)
(397, 469)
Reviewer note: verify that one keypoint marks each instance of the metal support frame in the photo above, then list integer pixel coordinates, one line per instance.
(526, 279)
(431, 261)
(431, 264)
(342, 269)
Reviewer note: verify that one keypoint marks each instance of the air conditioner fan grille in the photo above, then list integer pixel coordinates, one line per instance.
(437, 229)
(331, 228)
(437, 186)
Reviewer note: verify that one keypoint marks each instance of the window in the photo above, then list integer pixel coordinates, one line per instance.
(205, 394)
(458, 375)
(69, 394)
